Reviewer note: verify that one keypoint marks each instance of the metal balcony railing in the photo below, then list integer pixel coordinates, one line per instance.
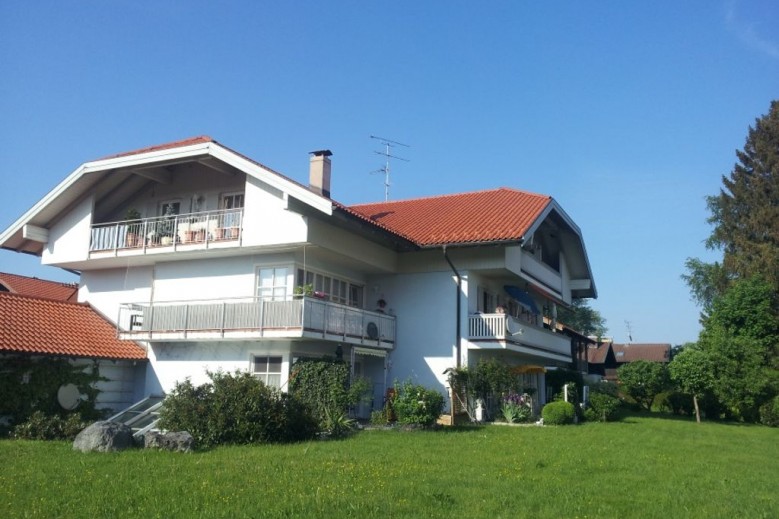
(249, 318)
(165, 231)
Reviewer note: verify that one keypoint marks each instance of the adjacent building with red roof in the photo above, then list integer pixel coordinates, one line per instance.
(211, 260)
(41, 320)
(605, 358)
(29, 286)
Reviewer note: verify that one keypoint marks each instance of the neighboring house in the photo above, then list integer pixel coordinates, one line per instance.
(606, 357)
(214, 261)
(41, 328)
(28, 286)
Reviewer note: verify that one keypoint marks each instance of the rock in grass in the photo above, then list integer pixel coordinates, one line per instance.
(104, 437)
(180, 441)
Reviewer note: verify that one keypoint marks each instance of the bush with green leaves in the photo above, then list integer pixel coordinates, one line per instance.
(30, 384)
(642, 380)
(414, 404)
(40, 426)
(323, 386)
(769, 412)
(602, 407)
(516, 408)
(235, 408)
(558, 412)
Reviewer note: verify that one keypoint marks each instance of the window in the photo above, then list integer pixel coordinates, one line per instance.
(268, 370)
(272, 284)
(231, 201)
(170, 208)
(334, 289)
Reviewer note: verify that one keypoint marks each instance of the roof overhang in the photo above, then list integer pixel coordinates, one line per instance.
(582, 282)
(28, 233)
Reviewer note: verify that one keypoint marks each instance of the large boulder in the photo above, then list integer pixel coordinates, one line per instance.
(180, 441)
(104, 437)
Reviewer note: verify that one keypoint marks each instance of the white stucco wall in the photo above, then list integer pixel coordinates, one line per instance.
(69, 237)
(266, 219)
(425, 306)
(106, 289)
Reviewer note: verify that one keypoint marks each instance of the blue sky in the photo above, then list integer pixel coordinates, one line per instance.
(627, 113)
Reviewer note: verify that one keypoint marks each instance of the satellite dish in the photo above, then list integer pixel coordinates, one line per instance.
(513, 328)
(69, 396)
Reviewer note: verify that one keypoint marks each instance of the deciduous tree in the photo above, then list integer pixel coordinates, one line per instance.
(692, 370)
(643, 380)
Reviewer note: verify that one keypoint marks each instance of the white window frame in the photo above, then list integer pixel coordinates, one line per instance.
(232, 196)
(335, 288)
(280, 287)
(265, 374)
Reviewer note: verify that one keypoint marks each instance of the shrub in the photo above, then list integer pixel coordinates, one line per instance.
(416, 404)
(323, 386)
(675, 402)
(559, 412)
(381, 416)
(235, 408)
(769, 412)
(50, 427)
(516, 408)
(602, 407)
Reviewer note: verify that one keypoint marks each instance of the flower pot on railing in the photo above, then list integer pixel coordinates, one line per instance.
(227, 233)
(195, 236)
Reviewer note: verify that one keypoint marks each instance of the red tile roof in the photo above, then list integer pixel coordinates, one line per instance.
(38, 287)
(201, 139)
(34, 325)
(630, 352)
(482, 216)
(644, 351)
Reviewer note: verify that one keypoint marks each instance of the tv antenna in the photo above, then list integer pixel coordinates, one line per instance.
(629, 326)
(387, 143)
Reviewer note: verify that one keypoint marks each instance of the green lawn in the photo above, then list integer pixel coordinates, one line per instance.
(641, 467)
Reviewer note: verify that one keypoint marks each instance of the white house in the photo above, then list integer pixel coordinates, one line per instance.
(211, 260)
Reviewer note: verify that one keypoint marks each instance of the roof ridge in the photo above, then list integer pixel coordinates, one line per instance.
(450, 195)
(40, 298)
(198, 139)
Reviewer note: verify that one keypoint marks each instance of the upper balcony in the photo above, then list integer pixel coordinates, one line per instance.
(513, 332)
(254, 318)
(191, 231)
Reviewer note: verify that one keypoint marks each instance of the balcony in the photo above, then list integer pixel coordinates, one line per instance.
(513, 333)
(252, 319)
(165, 233)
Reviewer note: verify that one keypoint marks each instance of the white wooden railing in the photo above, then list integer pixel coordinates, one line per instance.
(254, 317)
(204, 227)
(511, 329)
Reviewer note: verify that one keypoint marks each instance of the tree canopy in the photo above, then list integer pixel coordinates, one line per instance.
(643, 380)
(738, 349)
(583, 318)
(745, 217)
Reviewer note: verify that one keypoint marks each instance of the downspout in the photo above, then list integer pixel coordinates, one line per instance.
(459, 297)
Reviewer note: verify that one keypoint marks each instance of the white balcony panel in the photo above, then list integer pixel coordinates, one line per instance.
(546, 275)
(252, 318)
(513, 333)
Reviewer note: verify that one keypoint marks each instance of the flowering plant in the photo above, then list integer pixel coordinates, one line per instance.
(516, 408)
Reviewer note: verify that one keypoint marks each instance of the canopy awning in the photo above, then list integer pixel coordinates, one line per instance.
(521, 370)
(522, 297)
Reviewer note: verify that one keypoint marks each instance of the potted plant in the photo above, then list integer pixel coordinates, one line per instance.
(304, 290)
(133, 227)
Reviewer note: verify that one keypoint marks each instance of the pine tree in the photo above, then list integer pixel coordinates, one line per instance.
(745, 214)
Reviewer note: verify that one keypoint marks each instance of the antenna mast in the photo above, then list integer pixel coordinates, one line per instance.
(629, 327)
(387, 143)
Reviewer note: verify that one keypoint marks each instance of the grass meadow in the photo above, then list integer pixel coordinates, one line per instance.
(644, 466)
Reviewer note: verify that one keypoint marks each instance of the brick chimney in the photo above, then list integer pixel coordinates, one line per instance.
(319, 177)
